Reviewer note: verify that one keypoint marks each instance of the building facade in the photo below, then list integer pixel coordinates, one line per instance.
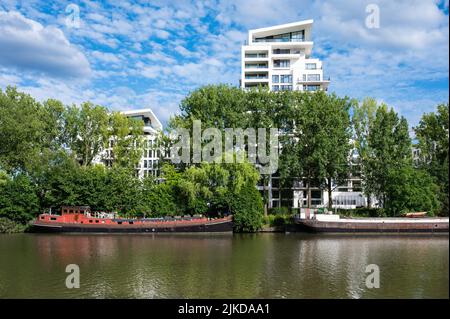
(279, 58)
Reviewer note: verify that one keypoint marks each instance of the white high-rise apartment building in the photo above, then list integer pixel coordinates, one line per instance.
(279, 57)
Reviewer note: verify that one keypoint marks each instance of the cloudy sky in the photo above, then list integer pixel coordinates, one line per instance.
(126, 55)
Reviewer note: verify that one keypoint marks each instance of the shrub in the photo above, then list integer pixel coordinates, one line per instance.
(279, 211)
(247, 209)
(8, 226)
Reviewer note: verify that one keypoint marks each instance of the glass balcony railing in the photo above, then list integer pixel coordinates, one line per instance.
(279, 40)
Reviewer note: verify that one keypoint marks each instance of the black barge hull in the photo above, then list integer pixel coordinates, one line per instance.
(200, 228)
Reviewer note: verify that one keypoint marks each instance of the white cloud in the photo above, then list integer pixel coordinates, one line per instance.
(27, 45)
(162, 34)
(105, 57)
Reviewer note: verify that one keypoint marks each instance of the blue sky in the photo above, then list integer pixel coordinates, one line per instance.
(135, 54)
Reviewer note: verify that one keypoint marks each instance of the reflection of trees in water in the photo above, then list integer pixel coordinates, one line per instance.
(331, 267)
(214, 266)
(326, 266)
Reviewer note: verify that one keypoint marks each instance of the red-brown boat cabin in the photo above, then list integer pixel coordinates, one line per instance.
(77, 215)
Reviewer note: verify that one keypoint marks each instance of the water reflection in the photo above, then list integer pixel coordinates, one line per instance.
(223, 266)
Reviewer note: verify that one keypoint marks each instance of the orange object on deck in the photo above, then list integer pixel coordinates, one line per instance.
(418, 214)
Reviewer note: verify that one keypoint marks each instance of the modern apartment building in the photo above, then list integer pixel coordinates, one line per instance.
(148, 164)
(279, 58)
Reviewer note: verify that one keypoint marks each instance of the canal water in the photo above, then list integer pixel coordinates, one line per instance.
(223, 266)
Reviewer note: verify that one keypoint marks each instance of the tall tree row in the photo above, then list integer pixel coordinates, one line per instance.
(384, 149)
(48, 153)
(433, 139)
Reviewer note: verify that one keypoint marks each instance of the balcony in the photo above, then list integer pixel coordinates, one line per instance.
(256, 56)
(313, 80)
(256, 66)
(256, 77)
(288, 52)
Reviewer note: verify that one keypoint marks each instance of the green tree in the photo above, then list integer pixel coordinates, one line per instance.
(27, 129)
(126, 139)
(247, 208)
(18, 199)
(243, 198)
(205, 187)
(163, 198)
(219, 106)
(410, 189)
(87, 131)
(362, 121)
(160, 200)
(123, 190)
(57, 175)
(316, 145)
(390, 148)
(433, 139)
(335, 135)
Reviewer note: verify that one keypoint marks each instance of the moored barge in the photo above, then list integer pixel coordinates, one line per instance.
(330, 223)
(79, 219)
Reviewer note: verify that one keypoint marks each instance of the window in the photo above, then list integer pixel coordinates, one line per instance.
(310, 66)
(313, 77)
(286, 78)
(145, 163)
(281, 63)
(286, 87)
(275, 87)
(255, 55)
(284, 37)
(281, 51)
(298, 36)
(311, 87)
(275, 78)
